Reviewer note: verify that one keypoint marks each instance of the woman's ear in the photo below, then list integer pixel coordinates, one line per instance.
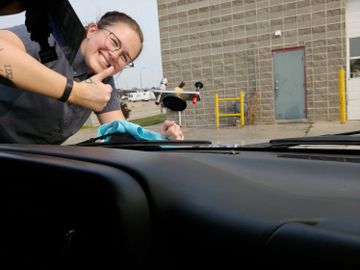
(91, 29)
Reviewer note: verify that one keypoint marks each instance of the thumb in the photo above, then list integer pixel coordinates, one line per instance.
(104, 74)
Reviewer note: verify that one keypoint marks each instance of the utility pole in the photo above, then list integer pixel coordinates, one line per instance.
(141, 85)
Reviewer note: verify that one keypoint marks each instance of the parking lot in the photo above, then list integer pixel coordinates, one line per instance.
(142, 109)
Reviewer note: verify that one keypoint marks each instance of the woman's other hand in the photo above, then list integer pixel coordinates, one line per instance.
(171, 130)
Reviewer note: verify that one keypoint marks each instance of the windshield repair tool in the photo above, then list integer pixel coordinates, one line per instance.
(162, 88)
(174, 102)
(198, 86)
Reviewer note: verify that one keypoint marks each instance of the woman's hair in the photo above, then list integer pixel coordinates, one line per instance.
(113, 17)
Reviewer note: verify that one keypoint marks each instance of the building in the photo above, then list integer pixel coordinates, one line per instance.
(284, 54)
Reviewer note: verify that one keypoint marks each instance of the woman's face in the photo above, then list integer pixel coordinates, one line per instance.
(115, 45)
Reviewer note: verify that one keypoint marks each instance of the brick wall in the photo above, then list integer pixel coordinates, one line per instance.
(228, 46)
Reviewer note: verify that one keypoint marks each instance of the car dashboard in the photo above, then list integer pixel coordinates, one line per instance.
(74, 206)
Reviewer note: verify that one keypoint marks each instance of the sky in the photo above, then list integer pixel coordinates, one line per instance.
(148, 68)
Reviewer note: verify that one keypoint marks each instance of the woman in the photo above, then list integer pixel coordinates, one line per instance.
(54, 107)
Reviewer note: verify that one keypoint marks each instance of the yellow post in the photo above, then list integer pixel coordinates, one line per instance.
(242, 109)
(217, 111)
(342, 106)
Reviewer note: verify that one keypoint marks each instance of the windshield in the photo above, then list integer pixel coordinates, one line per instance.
(236, 73)
(168, 133)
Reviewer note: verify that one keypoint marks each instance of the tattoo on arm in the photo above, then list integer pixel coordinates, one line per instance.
(6, 75)
(7, 72)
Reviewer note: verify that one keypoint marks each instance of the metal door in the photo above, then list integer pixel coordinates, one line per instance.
(289, 84)
(353, 59)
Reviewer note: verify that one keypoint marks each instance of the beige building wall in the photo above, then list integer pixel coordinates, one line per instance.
(228, 46)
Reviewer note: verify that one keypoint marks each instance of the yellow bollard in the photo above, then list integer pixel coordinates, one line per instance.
(242, 109)
(217, 111)
(342, 105)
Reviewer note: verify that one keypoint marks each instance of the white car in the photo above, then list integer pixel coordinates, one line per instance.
(141, 96)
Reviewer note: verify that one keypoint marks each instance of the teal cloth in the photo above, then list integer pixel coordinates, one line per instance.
(136, 131)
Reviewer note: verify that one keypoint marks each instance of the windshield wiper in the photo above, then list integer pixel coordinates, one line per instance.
(355, 132)
(328, 139)
(124, 140)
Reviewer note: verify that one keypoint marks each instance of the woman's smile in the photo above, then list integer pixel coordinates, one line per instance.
(103, 60)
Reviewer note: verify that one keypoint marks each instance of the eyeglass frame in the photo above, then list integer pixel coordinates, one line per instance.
(130, 64)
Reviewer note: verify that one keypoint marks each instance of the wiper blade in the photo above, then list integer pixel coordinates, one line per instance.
(124, 140)
(140, 144)
(337, 139)
(355, 132)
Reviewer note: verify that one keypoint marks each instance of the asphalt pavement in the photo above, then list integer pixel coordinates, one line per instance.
(264, 133)
(247, 134)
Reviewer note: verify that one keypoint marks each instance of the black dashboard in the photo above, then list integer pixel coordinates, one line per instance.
(70, 206)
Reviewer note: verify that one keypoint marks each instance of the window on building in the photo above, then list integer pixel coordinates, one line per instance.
(355, 57)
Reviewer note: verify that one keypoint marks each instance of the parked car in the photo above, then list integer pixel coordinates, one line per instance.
(141, 96)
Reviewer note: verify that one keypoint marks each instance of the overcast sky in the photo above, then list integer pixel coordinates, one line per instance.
(148, 67)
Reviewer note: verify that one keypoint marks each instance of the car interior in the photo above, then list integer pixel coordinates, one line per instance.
(83, 206)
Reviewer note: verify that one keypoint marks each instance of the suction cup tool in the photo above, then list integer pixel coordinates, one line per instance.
(199, 85)
(174, 103)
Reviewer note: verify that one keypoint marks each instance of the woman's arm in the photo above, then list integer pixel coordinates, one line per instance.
(110, 116)
(27, 73)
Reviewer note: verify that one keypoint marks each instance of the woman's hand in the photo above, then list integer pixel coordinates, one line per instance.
(171, 130)
(92, 93)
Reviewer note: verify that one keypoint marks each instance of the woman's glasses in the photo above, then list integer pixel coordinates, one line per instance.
(114, 44)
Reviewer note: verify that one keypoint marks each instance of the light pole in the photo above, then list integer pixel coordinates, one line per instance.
(141, 85)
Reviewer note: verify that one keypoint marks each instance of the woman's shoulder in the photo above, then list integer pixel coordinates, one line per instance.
(18, 29)
(21, 31)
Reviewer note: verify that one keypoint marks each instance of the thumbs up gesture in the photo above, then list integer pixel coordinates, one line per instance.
(93, 93)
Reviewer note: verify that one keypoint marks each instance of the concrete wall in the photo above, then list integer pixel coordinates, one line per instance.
(228, 46)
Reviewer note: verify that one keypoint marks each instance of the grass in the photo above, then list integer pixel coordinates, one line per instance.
(150, 121)
(144, 122)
